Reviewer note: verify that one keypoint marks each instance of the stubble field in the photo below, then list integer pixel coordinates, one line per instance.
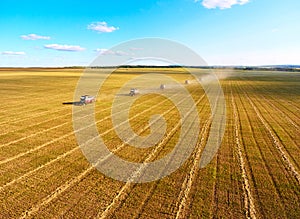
(255, 174)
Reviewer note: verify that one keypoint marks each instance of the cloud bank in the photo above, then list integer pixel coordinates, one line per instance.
(70, 48)
(222, 4)
(110, 52)
(34, 37)
(101, 27)
(12, 53)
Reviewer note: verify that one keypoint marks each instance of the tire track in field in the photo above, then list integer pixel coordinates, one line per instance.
(78, 178)
(248, 198)
(126, 188)
(276, 142)
(31, 125)
(283, 128)
(140, 132)
(25, 104)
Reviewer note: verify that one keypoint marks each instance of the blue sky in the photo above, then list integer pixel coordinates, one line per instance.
(222, 32)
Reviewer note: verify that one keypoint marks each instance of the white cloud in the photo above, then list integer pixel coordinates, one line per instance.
(101, 27)
(136, 48)
(34, 37)
(222, 4)
(12, 53)
(110, 52)
(64, 47)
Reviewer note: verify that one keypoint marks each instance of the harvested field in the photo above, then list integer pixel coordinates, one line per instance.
(255, 173)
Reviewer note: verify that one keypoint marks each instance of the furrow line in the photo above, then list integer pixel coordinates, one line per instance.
(31, 116)
(279, 110)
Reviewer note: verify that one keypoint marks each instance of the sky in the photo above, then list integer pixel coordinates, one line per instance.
(54, 33)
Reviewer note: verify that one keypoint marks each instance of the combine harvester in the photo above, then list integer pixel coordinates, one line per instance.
(84, 100)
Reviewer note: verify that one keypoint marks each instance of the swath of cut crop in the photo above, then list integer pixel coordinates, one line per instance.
(189, 179)
(248, 126)
(276, 143)
(248, 199)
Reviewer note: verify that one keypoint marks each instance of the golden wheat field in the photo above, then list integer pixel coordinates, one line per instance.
(255, 173)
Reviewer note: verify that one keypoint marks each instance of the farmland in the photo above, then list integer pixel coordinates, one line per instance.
(255, 173)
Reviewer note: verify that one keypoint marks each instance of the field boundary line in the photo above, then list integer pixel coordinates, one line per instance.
(276, 142)
(248, 198)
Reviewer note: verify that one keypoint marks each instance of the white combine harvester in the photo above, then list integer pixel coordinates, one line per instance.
(133, 91)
